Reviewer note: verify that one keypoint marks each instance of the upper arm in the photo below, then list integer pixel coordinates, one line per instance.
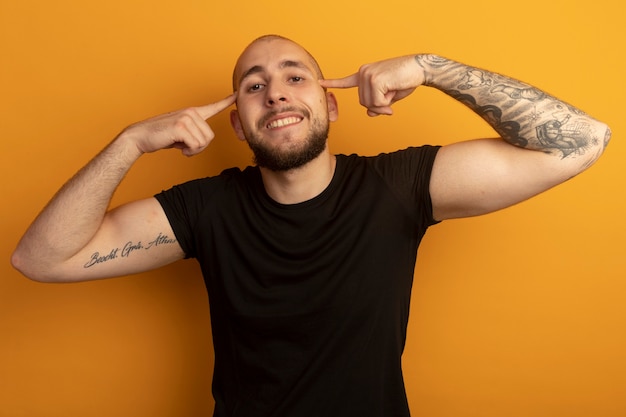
(477, 177)
(132, 238)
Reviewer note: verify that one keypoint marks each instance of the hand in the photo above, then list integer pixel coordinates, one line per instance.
(186, 129)
(382, 83)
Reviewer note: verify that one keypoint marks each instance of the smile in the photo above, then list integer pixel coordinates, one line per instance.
(283, 122)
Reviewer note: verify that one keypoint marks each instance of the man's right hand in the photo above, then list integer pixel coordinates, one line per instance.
(75, 238)
(186, 129)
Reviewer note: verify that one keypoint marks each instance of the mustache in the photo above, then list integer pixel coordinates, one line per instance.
(273, 113)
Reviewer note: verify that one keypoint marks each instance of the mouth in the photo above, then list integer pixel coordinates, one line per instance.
(283, 121)
(281, 118)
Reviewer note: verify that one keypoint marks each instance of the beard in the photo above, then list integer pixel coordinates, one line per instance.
(280, 160)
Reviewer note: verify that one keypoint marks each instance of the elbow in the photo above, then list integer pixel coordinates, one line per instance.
(20, 264)
(30, 269)
(598, 144)
(603, 136)
(607, 135)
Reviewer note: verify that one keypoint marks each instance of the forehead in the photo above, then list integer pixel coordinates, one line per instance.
(270, 54)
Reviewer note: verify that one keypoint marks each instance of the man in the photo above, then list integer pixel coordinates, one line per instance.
(308, 257)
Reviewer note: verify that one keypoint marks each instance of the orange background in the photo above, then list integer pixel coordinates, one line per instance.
(518, 313)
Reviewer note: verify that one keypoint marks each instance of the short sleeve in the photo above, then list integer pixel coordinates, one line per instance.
(180, 217)
(407, 172)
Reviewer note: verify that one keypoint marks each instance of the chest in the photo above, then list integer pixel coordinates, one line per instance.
(359, 243)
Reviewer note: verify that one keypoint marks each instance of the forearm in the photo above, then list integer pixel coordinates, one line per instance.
(71, 219)
(75, 225)
(521, 114)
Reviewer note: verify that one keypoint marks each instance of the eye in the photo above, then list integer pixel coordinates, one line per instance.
(296, 79)
(255, 87)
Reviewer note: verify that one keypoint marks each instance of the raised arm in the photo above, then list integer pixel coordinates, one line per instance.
(544, 141)
(75, 238)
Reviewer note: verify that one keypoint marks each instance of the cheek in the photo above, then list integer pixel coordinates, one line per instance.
(250, 107)
(245, 114)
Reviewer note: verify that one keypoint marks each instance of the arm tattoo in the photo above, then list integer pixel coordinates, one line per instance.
(126, 250)
(523, 115)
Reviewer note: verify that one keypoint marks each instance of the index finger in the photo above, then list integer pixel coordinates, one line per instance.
(346, 82)
(212, 109)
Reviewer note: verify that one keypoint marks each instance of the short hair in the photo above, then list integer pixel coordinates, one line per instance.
(270, 37)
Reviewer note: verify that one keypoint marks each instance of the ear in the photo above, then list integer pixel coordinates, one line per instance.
(333, 109)
(236, 124)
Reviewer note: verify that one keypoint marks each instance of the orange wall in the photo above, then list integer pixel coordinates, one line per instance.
(519, 313)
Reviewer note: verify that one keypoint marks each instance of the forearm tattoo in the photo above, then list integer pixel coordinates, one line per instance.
(523, 115)
(127, 250)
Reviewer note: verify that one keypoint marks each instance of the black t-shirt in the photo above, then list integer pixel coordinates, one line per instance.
(309, 302)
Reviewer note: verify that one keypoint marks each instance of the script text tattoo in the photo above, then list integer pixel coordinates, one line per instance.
(127, 249)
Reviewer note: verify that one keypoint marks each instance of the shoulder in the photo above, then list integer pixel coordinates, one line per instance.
(408, 170)
(409, 161)
(427, 152)
(229, 175)
(203, 190)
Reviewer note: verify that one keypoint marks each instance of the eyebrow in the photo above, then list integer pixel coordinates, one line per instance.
(287, 63)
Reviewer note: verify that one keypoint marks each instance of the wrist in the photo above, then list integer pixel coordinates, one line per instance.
(438, 70)
(126, 146)
(425, 62)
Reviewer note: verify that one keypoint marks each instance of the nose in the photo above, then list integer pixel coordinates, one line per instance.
(275, 95)
(271, 101)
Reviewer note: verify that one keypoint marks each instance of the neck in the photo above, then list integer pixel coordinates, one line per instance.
(300, 184)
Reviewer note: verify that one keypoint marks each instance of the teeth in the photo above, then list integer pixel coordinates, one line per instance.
(283, 122)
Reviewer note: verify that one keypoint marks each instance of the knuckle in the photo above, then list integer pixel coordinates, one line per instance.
(185, 116)
(184, 119)
(189, 112)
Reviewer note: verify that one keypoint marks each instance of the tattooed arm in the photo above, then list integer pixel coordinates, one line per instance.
(75, 238)
(522, 114)
(544, 141)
